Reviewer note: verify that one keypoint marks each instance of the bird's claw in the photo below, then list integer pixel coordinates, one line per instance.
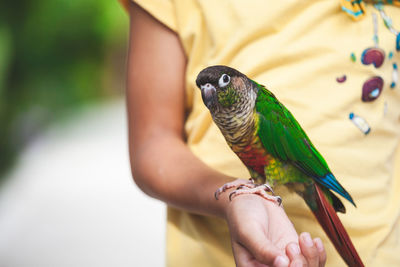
(260, 190)
(239, 183)
(248, 187)
(268, 188)
(279, 200)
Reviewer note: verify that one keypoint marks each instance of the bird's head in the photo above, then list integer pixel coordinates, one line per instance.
(223, 88)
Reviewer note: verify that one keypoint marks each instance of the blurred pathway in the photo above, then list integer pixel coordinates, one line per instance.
(71, 200)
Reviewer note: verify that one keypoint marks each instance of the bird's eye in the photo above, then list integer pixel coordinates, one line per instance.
(224, 80)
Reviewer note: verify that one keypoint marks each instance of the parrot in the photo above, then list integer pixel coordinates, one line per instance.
(270, 142)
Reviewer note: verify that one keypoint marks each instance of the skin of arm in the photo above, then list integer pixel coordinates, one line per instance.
(164, 167)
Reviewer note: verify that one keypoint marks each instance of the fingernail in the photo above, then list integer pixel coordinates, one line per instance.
(281, 261)
(294, 248)
(318, 244)
(307, 239)
(298, 264)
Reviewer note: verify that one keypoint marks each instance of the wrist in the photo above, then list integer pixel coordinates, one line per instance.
(223, 202)
(248, 202)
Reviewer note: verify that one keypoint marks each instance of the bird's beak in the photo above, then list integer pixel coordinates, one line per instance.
(208, 92)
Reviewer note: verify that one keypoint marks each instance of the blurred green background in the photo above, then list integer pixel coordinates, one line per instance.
(56, 56)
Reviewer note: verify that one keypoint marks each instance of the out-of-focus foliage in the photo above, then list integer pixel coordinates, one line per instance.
(55, 56)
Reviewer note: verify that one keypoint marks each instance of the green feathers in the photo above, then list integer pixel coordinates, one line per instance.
(283, 138)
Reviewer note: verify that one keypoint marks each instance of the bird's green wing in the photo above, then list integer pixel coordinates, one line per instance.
(283, 137)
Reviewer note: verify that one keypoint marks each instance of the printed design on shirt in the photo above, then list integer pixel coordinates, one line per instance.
(373, 86)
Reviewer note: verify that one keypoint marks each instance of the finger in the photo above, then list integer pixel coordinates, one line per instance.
(295, 256)
(243, 257)
(309, 250)
(321, 251)
(263, 250)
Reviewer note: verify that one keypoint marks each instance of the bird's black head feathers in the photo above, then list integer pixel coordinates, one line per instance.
(213, 73)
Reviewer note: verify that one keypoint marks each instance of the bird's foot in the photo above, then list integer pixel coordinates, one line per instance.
(238, 184)
(261, 190)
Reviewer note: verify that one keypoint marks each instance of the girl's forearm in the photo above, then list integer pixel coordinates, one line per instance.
(167, 170)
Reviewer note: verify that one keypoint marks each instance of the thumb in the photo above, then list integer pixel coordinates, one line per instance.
(264, 251)
(243, 258)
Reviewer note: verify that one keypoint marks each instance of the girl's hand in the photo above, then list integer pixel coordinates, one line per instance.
(262, 235)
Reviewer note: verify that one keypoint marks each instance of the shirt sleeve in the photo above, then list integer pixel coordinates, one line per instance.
(162, 10)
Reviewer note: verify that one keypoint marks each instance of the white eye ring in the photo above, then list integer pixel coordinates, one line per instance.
(224, 80)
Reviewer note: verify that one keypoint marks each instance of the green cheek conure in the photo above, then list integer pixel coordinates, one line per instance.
(275, 149)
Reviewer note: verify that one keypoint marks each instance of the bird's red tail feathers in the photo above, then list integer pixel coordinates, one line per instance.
(333, 227)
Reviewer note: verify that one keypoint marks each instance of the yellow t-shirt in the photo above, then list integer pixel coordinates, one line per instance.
(297, 49)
